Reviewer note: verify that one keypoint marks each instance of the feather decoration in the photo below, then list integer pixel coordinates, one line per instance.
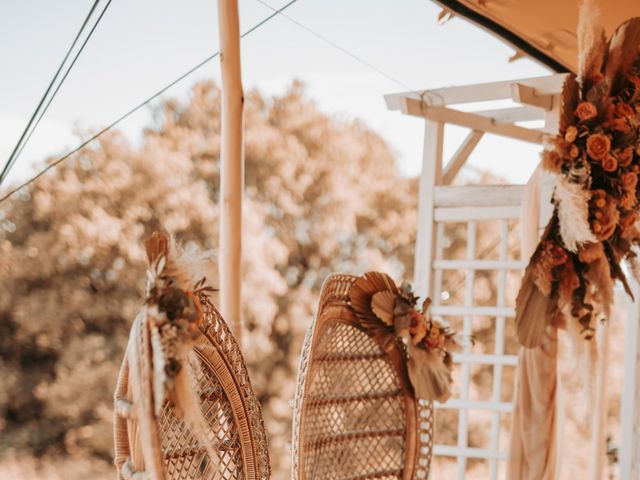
(188, 405)
(173, 313)
(584, 355)
(599, 273)
(573, 213)
(623, 51)
(569, 99)
(532, 311)
(429, 374)
(157, 245)
(592, 43)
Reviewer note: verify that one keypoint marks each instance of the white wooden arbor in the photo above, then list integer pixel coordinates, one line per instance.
(440, 204)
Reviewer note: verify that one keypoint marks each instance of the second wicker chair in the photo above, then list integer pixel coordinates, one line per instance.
(356, 415)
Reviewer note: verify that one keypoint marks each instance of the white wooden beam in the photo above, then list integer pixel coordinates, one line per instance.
(527, 95)
(468, 452)
(550, 84)
(460, 157)
(457, 404)
(478, 195)
(232, 166)
(470, 120)
(485, 359)
(470, 311)
(500, 265)
(463, 214)
(430, 176)
(513, 114)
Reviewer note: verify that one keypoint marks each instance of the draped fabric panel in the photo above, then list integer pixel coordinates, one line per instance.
(534, 446)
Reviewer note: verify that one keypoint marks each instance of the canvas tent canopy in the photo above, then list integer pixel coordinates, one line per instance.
(543, 30)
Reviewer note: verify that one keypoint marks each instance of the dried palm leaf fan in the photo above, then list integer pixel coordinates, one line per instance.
(356, 411)
(184, 406)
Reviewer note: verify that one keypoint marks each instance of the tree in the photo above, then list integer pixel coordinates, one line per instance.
(323, 195)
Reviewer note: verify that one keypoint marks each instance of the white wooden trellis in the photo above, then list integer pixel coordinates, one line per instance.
(502, 206)
(440, 203)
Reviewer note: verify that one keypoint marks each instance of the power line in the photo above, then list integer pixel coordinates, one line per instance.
(55, 92)
(11, 160)
(338, 47)
(139, 106)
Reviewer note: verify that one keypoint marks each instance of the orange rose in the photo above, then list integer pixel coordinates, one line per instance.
(596, 227)
(586, 111)
(574, 151)
(603, 231)
(629, 181)
(598, 146)
(571, 134)
(625, 156)
(435, 339)
(610, 164)
(624, 110)
(417, 327)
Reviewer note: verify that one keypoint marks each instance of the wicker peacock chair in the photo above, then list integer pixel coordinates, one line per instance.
(157, 441)
(356, 415)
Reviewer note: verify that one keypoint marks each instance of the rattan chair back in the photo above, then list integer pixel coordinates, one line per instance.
(355, 413)
(164, 447)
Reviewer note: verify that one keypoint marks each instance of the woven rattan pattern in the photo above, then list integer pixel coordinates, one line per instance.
(229, 406)
(351, 419)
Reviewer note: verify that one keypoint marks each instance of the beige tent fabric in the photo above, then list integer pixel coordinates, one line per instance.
(533, 450)
(548, 26)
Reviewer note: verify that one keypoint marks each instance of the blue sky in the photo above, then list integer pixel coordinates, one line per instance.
(142, 45)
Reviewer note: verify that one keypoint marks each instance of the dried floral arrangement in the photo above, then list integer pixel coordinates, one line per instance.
(392, 313)
(175, 313)
(596, 159)
(165, 333)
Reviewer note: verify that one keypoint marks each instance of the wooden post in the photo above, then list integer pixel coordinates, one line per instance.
(232, 166)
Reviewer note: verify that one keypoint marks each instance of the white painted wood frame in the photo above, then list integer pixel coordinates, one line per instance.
(440, 204)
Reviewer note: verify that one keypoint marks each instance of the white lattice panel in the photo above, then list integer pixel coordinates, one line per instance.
(455, 295)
